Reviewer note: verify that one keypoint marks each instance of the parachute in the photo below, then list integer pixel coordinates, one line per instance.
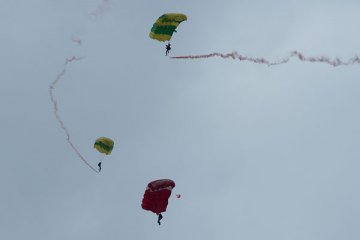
(156, 195)
(166, 25)
(104, 145)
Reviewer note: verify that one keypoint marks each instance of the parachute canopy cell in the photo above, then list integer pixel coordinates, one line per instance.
(157, 194)
(165, 26)
(104, 145)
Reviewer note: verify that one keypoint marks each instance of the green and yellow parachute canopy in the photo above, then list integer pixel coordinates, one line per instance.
(104, 145)
(166, 25)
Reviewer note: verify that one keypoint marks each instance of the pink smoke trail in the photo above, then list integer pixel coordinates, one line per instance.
(103, 7)
(294, 54)
(76, 40)
(56, 113)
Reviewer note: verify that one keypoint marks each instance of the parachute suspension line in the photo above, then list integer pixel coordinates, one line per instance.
(101, 158)
(335, 62)
(56, 113)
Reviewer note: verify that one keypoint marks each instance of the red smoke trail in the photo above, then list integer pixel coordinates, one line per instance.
(294, 54)
(56, 113)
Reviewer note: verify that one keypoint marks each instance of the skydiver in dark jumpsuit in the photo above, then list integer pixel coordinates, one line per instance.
(168, 48)
(159, 218)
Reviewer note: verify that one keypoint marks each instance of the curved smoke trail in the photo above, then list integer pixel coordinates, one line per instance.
(294, 54)
(56, 113)
(102, 7)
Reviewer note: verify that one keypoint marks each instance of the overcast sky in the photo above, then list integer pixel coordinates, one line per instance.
(257, 152)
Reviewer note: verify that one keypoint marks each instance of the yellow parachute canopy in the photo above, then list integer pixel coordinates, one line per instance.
(166, 25)
(104, 145)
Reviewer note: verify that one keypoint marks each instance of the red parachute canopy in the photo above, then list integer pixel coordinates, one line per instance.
(157, 194)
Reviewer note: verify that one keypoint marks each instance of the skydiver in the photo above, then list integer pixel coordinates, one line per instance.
(99, 164)
(159, 218)
(168, 48)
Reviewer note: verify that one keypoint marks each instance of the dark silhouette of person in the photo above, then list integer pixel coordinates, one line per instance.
(168, 48)
(159, 218)
(99, 164)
